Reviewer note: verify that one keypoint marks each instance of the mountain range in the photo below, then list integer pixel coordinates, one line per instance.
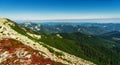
(71, 27)
(59, 43)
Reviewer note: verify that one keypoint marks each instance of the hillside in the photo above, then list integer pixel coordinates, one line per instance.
(95, 49)
(114, 35)
(11, 31)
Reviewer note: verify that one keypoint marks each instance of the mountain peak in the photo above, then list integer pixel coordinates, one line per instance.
(4, 19)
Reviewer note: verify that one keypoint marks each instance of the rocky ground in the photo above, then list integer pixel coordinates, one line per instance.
(13, 52)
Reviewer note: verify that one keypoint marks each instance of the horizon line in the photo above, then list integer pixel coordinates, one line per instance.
(66, 19)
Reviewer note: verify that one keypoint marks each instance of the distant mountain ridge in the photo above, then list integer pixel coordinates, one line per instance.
(86, 28)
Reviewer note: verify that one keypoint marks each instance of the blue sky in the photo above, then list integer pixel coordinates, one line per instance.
(59, 9)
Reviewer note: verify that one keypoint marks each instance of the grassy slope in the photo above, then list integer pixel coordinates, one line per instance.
(23, 31)
(92, 48)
